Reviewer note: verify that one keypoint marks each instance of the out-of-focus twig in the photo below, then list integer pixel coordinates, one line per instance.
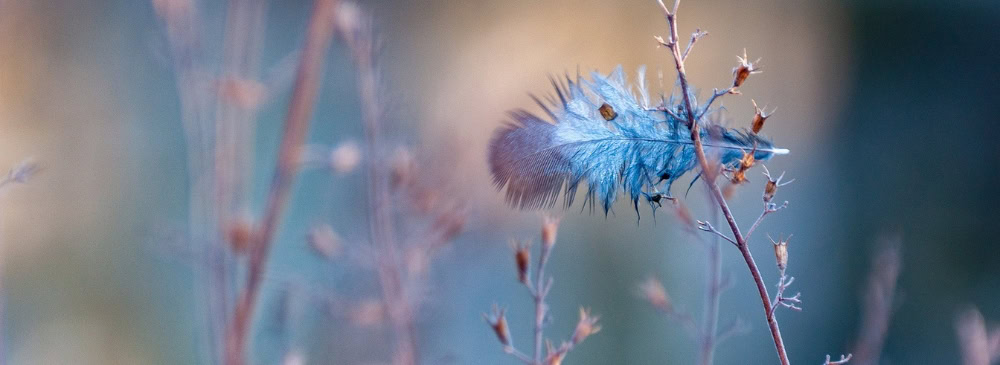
(309, 75)
(878, 303)
(979, 345)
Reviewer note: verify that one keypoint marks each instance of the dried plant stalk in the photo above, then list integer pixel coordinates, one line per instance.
(318, 36)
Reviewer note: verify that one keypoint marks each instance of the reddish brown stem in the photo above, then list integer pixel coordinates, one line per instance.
(709, 178)
(307, 82)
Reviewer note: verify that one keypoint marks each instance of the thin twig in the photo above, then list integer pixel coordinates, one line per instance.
(307, 83)
(360, 40)
(708, 227)
(541, 291)
(713, 292)
(709, 179)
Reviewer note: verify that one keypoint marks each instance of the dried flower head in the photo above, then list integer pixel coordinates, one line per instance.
(586, 327)
(744, 69)
(345, 157)
(498, 322)
(550, 227)
(759, 117)
(684, 215)
(555, 355)
(403, 167)
(781, 251)
(654, 293)
(522, 256)
(240, 233)
(325, 241)
(772, 185)
(744, 164)
(368, 313)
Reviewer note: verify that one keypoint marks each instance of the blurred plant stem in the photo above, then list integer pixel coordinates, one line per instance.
(306, 87)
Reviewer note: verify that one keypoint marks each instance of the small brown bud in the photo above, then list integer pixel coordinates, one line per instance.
(607, 112)
(368, 313)
(522, 256)
(744, 70)
(403, 167)
(555, 355)
(781, 252)
(759, 117)
(772, 185)
(769, 189)
(325, 241)
(449, 224)
(498, 322)
(585, 327)
(684, 214)
(240, 234)
(550, 226)
(243, 93)
(656, 295)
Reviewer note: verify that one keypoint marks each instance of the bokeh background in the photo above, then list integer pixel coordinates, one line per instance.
(891, 110)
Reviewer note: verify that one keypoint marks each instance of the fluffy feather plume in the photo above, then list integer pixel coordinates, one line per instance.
(602, 135)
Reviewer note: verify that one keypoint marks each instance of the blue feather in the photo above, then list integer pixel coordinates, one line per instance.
(629, 147)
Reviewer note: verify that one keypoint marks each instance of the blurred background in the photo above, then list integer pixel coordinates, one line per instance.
(891, 110)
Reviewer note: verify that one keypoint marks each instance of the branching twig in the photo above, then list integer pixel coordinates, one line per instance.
(307, 81)
(843, 360)
(692, 123)
(539, 288)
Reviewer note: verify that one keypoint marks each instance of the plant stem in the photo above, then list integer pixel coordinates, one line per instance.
(709, 178)
(541, 290)
(307, 83)
(381, 225)
(713, 292)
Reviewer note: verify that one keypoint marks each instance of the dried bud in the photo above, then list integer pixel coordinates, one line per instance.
(745, 163)
(345, 157)
(522, 256)
(684, 214)
(759, 117)
(550, 226)
(403, 167)
(244, 93)
(772, 185)
(744, 70)
(656, 295)
(498, 322)
(607, 112)
(240, 233)
(368, 313)
(325, 241)
(449, 224)
(555, 355)
(781, 252)
(585, 327)
(769, 189)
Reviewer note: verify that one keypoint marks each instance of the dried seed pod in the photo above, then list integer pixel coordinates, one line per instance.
(240, 234)
(744, 70)
(781, 252)
(656, 294)
(498, 322)
(759, 117)
(585, 327)
(522, 256)
(550, 226)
